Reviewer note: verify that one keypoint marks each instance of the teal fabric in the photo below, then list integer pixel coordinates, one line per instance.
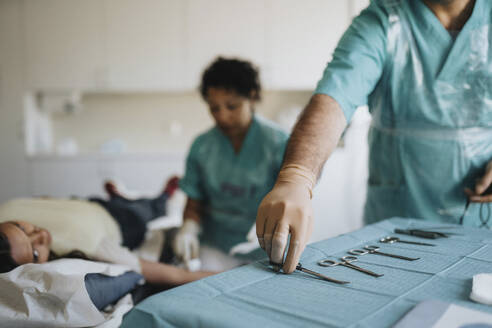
(430, 97)
(255, 296)
(231, 186)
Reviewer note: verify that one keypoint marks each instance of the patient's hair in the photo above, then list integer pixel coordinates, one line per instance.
(233, 75)
(7, 263)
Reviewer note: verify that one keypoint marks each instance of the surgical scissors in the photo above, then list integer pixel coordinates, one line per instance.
(374, 250)
(346, 261)
(391, 240)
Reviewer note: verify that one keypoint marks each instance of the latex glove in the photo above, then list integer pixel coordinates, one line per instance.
(287, 209)
(483, 188)
(186, 244)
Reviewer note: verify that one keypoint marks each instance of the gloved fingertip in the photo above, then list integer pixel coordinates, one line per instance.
(288, 267)
(261, 241)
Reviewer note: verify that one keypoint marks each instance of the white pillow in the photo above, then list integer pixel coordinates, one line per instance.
(73, 224)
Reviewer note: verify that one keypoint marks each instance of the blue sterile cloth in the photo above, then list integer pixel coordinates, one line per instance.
(255, 296)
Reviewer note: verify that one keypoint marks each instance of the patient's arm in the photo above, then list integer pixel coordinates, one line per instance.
(164, 274)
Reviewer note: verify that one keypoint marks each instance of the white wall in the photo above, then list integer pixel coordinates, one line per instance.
(152, 122)
(13, 170)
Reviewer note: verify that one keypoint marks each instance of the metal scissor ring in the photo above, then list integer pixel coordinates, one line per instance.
(358, 252)
(388, 240)
(332, 263)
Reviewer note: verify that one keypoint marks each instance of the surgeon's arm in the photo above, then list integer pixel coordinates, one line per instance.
(186, 243)
(287, 208)
(192, 210)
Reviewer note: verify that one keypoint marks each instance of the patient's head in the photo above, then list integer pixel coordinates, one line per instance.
(22, 242)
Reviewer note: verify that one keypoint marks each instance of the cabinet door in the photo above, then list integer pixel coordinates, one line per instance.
(224, 27)
(64, 43)
(301, 38)
(146, 44)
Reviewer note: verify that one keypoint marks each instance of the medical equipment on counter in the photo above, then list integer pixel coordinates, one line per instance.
(391, 240)
(374, 250)
(319, 275)
(346, 261)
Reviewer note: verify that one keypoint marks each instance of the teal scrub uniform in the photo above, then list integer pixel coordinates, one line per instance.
(430, 96)
(231, 186)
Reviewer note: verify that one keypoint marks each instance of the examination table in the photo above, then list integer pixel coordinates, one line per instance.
(255, 296)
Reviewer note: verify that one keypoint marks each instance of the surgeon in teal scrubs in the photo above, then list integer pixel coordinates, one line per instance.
(230, 167)
(424, 67)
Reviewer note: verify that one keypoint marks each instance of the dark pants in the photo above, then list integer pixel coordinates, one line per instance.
(133, 215)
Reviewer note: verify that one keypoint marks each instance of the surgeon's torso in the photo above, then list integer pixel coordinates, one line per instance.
(432, 114)
(235, 183)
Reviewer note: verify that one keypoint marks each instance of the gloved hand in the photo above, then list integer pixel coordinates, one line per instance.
(483, 188)
(287, 209)
(186, 244)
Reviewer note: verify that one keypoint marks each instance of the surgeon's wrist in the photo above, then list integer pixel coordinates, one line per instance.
(299, 175)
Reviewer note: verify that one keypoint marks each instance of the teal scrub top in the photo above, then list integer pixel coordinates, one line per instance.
(231, 186)
(430, 96)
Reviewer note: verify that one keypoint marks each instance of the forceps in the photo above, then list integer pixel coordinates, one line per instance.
(391, 240)
(374, 250)
(346, 261)
(319, 275)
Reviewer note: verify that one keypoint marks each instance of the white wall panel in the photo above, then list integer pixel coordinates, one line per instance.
(301, 38)
(65, 44)
(224, 27)
(146, 44)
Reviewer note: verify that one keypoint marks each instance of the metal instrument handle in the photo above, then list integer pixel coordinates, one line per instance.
(328, 263)
(319, 275)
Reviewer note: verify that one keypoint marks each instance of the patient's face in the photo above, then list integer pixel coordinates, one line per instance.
(28, 243)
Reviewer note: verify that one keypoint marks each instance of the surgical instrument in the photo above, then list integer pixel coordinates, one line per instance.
(319, 275)
(346, 261)
(422, 233)
(391, 240)
(374, 250)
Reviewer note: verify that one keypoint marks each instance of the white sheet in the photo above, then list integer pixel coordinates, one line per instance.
(53, 294)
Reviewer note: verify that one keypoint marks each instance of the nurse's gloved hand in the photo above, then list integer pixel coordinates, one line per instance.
(483, 188)
(287, 209)
(186, 244)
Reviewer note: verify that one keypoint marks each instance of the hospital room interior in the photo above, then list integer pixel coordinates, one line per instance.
(262, 163)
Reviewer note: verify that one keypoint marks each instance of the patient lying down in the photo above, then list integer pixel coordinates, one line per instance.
(22, 242)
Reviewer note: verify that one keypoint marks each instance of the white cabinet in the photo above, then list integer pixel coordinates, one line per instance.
(224, 27)
(164, 45)
(145, 44)
(64, 44)
(301, 38)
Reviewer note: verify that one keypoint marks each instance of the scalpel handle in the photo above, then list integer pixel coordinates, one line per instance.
(418, 233)
(401, 257)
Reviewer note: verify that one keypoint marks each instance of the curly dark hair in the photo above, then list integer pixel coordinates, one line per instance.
(232, 74)
(7, 263)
